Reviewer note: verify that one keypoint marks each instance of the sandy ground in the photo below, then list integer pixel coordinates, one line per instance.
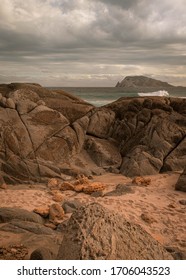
(155, 207)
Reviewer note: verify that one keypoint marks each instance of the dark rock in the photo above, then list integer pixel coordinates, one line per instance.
(62, 226)
(121, 189)
(42, 254)
(182, 202)
(94, 233)
(7, 214)
(97, 194)
(23, 226)
(112, 169)
(181, 183)
(151, 140)
(71, 206)
(176, 253)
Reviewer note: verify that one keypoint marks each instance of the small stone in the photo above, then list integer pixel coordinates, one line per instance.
(58, 197)
(141, 181)
(65, 186)
(81, 179)
(182, 202)
(93, 187)
(97, 194)
(56, 213)
(13, 250)
(71, 206)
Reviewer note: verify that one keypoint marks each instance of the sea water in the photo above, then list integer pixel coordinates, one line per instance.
(99, 96)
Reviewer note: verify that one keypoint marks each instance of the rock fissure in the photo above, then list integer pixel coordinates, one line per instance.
(48, 138)
(30, 137)
(172, 150)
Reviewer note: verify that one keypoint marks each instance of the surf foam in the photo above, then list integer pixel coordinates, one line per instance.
(155, 93)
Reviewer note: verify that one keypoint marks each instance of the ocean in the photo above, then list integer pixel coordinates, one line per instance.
(99, 96)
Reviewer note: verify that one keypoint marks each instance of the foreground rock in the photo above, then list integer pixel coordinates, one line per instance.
(181, 184)
(94, 233)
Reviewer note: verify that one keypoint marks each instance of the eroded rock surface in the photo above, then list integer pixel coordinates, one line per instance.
(94, 233)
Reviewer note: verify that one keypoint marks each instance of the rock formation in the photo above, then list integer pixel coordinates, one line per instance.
(49, 133)
(146, 84)
(94, 233)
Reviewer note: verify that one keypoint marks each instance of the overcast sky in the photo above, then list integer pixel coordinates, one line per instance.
(92, 42)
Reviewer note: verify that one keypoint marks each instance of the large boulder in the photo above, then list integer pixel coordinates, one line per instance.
(95, 233)
(36, 140)
(151, 135)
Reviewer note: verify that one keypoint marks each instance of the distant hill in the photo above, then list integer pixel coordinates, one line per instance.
(144, 84)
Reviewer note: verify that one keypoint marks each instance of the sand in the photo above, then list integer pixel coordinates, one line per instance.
(155, 207)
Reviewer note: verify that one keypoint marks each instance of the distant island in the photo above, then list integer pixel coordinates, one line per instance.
(146, 84)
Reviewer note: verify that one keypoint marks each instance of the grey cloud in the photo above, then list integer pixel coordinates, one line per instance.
(126, 4)
(77, 36)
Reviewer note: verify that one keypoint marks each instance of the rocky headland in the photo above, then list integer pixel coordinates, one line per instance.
(146, 84)
(57, 147)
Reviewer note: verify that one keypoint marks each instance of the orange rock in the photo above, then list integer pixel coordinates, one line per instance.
(66, 186)
(53, 183)
(58, 197)
(42, 211)
(93, 187)
(56, 214)
(78, 188)
(81, 179)
(141, 181)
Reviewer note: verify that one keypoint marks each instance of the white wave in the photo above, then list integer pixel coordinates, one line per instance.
(99, 102)
(155, 93)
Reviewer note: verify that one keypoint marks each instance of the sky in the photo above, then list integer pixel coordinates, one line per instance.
(92, 42)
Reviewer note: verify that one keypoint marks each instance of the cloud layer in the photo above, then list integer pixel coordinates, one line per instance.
(91, 43)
